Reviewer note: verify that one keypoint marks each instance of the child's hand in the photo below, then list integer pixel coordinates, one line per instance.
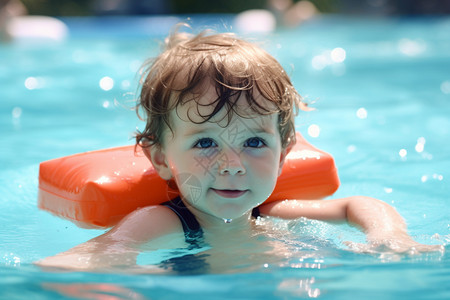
(385, 229)
(399, 243)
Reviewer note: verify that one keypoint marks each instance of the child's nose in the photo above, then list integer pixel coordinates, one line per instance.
(231, 163)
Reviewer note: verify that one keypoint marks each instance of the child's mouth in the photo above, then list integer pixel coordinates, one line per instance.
(229, 193)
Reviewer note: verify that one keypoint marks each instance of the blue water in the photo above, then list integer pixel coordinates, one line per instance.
(381, 89)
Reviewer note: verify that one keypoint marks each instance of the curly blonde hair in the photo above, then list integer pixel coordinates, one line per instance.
(233, 66)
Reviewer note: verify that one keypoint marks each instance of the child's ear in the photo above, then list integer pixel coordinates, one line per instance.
(284, 153)
(157, 157)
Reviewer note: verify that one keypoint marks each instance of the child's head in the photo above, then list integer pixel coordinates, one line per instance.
(220, 120)
(233, 67)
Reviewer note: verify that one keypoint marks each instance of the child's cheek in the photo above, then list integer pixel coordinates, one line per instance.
(193, 164)
(263, 164)
(203, 166)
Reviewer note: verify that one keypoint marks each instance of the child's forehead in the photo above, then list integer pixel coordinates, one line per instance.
(220, 123)
(196, 107)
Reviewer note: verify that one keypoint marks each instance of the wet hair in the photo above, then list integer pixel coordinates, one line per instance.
(191, 63)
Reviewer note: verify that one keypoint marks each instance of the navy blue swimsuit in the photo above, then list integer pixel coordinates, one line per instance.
(192, 230)
(191, 227)
(193, 233)
(188, 264)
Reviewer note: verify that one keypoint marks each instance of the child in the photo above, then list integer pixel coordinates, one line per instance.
(220, 122)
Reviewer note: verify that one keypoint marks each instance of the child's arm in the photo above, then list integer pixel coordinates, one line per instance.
(382, 224)
(120, 245)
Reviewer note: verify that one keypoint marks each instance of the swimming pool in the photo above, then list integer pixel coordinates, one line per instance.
(381, 89)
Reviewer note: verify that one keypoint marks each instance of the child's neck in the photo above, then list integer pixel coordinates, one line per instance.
(221, 226)
(221, 235)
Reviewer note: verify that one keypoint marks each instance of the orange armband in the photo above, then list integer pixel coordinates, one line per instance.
(98, 188)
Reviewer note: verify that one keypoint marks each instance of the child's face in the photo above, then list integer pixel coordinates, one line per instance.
(223, 171)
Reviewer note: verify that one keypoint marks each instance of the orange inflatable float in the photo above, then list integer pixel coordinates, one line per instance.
(97, 189)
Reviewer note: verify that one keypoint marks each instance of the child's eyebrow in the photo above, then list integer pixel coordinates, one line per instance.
(262, 130)
(205, 130)
(197, 131)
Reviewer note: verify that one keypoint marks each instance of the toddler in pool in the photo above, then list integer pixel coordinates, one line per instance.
(219, 123)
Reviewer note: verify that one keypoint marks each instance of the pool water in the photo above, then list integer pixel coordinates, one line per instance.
(381, 93)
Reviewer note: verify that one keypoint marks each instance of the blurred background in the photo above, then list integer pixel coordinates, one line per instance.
(376, 72)
(253, 15)
(139, 7)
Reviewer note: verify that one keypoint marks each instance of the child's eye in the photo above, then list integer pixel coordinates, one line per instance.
(205, 143)
(254, 142)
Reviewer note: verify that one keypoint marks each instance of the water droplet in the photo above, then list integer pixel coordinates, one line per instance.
(319, 62)
(411, 47)
(106, 104)
(361, 113)
(438, 177)
(32, 83)
(314, 130)
(16, 112)
(338, 55)
(351, 148)
(106, 83)
(125, 84)
(420, 144)
(419, 147)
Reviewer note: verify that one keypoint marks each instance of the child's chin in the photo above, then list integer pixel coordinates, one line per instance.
(230, 212)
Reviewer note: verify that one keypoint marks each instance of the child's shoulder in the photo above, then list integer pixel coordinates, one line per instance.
(147, 223)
